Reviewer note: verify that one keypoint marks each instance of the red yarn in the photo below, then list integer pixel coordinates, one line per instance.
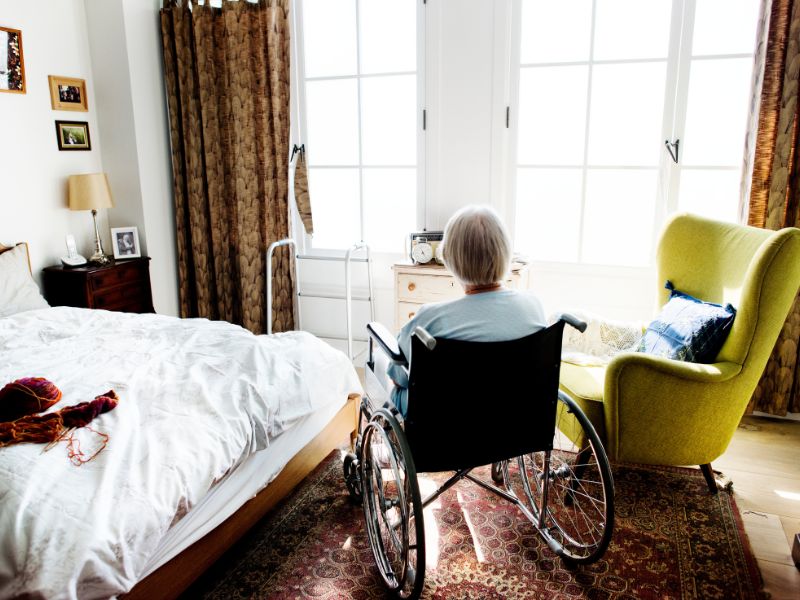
(57, 426)
(82, 414)
(27, 396)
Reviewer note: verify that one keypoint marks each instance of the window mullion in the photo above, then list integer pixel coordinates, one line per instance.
(360, 126)
(512, 139)
(422, 105)
(585, 170)
(681, 95)
(673, 118)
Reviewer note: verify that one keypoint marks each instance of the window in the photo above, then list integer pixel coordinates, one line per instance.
(360, 118)
(601, 85)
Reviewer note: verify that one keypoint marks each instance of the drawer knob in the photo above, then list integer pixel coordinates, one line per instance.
(412, 286)
(411, 315)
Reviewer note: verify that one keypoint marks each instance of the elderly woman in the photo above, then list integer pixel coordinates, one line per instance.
(477, 250)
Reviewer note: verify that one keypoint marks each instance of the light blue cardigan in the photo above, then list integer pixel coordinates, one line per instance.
(485, 317)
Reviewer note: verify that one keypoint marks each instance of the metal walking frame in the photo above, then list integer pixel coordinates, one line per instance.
(348, 259)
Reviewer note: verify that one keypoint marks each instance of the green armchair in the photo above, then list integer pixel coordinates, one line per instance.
(654, 410)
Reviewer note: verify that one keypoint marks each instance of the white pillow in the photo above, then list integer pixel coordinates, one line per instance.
(18, 290)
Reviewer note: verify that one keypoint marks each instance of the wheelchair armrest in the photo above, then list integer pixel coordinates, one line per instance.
(573, 320)
(386, 341)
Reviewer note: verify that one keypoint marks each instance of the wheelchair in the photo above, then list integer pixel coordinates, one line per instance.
(546, 457)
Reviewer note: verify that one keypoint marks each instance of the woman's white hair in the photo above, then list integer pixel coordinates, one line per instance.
(476, 246)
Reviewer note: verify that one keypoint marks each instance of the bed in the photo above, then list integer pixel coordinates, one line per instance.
(214, 426)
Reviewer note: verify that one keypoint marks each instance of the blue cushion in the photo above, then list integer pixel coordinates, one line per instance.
(688, 329)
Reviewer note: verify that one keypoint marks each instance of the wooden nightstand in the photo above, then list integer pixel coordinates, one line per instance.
(415, 285)
(123, 286)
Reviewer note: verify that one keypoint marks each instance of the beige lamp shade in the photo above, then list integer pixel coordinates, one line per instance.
(89, 192)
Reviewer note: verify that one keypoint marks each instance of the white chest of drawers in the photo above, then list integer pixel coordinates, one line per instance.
(415, 285)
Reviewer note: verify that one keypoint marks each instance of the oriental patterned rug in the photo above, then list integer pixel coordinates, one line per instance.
(672, 539)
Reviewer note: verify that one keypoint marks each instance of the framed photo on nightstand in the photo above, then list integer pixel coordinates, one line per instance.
(126, 242)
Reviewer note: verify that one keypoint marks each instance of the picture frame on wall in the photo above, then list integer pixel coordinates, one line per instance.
(125, 241)
(73, 135)
(68, 93)
(12, 61)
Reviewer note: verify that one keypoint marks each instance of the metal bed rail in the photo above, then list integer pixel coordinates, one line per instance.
(348, 297)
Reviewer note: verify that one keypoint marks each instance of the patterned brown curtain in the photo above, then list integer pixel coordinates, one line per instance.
(775, 185)
(227, 80)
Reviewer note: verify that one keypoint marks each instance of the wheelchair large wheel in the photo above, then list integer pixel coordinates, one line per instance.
(572, 497)
(392, 506)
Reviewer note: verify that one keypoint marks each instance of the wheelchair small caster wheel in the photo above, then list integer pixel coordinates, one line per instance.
(352, 479)
(497, 472)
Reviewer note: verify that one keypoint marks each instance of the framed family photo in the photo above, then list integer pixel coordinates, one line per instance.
(126, 242)
(12, 61)
(68, 93)
(73, 135)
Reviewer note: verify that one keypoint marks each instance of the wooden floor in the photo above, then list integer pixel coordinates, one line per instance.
(763, 462)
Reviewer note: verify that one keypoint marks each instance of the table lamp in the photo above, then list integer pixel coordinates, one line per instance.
(90, 192)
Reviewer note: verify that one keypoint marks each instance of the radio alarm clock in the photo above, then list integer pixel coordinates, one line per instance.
(425, 247)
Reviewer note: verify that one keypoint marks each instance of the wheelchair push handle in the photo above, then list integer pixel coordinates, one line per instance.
(426, 338)
(573, 321)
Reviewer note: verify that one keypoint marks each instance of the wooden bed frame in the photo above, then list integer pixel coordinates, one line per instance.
(171, 579)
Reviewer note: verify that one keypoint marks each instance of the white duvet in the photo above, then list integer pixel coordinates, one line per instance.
(196, 398)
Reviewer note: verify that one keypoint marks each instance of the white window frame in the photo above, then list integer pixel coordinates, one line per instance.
(299, 126)
(682, 101)
(676, 92)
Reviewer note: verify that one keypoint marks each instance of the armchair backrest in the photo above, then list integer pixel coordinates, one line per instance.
(756, 270)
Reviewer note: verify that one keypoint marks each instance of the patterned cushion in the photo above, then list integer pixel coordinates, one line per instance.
(688, 329)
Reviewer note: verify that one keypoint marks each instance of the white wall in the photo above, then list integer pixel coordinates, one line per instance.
(109, 54)
(127, 61)
(146, 67)
(33, 198)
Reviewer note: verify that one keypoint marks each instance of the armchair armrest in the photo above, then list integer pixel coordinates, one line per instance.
(386, 341)
(701, 373)
(663, 411)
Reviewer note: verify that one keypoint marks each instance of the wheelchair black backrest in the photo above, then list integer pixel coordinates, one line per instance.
(474, 403)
